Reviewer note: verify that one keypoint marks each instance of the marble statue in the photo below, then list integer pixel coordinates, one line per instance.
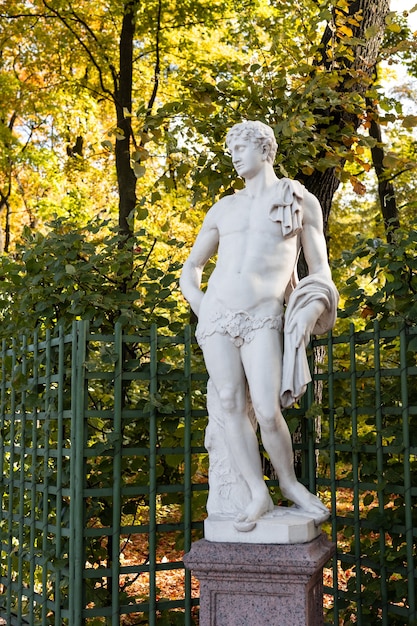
(257, 364)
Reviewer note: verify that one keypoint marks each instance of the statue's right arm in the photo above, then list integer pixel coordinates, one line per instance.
(203, 249)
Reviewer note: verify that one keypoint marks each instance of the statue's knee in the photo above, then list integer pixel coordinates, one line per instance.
(227, 398)
(268, 417)
(268, 425)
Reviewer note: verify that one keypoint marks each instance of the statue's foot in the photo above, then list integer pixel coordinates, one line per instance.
(259, 505)
(307, 502)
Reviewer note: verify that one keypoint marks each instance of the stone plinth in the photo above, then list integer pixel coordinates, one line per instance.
(282, 525)
(260, 584)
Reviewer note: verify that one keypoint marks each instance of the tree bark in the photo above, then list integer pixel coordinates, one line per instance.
(126, 178)
(386, 190)
(357, 75)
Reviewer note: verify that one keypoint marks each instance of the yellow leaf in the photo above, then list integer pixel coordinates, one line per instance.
(307, 170)
(395, 28)
(391, 24)
(345, 30)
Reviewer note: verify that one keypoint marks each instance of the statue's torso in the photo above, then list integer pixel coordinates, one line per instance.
(255, 262)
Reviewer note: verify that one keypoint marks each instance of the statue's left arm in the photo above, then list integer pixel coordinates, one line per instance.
(312, 305)
(313, 242)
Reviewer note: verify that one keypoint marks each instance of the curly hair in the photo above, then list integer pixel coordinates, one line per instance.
(258, 132)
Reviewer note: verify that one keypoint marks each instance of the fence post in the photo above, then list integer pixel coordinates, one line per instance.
(11, 483)
(76, 553)
(117, 473)
(153, 388)
(355, 469)
(187, 468)
(408, 500)
(59, 470)
(380, 468)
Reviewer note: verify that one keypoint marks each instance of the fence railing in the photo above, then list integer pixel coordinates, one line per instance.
(368, 468)
(105, 475)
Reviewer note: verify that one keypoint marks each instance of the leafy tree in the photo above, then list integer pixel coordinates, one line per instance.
(171, 80)
(74, 273)
(381, 290)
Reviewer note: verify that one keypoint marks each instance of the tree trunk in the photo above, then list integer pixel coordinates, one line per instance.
(126, 178)
(386, 191)
(358, 74)
(323, 185)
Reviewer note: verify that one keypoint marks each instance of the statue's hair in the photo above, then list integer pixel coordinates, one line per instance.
(258, 132)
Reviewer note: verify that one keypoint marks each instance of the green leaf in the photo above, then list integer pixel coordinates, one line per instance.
(410, 121)
(142, 214)
(139, 170)
(391, 161)
(70, 269)
(107, 144)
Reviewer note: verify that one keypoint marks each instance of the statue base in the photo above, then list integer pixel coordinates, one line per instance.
(262, 584)
(283, 526)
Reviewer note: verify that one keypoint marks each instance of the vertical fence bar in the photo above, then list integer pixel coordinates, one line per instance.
(153, 388)
(2, 446)
(355, 473)
(380, 472)
(22, 548)
(187, 468)
(333, 491)
(408, 502)
(72, 581)
(76, 598)
(33, 482)
(45, 494)
(10, 552)
(117, 472)
(311, 436)
(59, 475)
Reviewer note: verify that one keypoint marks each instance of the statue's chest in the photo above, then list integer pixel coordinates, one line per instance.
(247, 216)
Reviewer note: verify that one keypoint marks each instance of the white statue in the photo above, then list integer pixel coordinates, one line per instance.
(257, 234)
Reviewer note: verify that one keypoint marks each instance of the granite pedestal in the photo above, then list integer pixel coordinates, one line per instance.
(245, 584)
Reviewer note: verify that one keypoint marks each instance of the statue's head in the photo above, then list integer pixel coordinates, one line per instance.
(257, 132)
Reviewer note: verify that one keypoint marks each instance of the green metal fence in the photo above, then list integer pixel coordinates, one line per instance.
(105, 476)
(368, 469)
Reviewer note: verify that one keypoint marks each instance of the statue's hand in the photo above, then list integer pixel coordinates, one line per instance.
(196, 300)
(302, 324)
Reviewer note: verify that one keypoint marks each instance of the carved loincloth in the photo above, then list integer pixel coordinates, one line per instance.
(240, 326)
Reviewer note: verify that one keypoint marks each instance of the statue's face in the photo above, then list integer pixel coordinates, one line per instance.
(247, 157)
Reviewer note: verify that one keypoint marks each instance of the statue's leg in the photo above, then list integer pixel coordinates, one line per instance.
(262, 360)
(225, 369)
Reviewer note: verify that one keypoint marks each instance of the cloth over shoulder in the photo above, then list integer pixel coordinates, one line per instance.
(287, 206)
(296, 372)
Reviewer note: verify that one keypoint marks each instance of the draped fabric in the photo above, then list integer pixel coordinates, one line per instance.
(287, 207)
(296, 372)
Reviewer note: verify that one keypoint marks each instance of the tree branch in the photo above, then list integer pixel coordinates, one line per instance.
(157, 70)
(83, 45)
(92, 34)
(386, 191)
